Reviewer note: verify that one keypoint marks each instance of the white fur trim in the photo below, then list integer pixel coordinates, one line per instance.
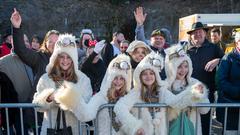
(68, 95)
(112, 72)
(41, 98)
(171, 66)
(130, 124)
(196, 94)
(71, 50)
(146, 64)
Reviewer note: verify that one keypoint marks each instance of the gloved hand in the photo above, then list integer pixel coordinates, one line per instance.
(99, 46)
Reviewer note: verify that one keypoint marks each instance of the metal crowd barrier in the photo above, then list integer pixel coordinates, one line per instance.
(22, 106)
(212, 106)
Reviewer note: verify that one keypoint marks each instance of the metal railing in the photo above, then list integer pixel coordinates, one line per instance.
(212, 106)
(22, 106)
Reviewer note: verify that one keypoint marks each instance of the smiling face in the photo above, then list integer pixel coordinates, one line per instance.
(182, 71)
(52, 39)
(158, 41)
(118, 82)
(138, 54)
(147, 77)
(198, 37)
(65, 61)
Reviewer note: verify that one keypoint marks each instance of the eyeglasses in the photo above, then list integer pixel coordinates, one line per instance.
(124, 47)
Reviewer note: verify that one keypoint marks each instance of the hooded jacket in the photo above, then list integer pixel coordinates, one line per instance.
(128, 115)
(189, 95)
(86, 111)
(46, 86)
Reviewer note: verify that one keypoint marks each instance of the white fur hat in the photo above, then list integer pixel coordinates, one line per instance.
(153, 61)
(118, 66)
(175, 55)
(65, 43)
(137, 44)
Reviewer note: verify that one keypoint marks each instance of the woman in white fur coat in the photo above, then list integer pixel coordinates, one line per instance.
(148, 88)
(178, 67)
(62, 76)
(116, 83)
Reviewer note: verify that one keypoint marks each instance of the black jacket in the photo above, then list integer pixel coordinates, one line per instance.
(95, 71)
(108, 54)
(200, 56)
(36, 60)
(8, 95)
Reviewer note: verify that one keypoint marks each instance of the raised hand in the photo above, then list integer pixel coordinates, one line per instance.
(139, 16)
(16, 19)
(99, 46)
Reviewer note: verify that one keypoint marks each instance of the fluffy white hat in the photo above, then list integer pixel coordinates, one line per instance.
(175, 55)
(65, 43)
(137, 44)
(153, 61)
(118, 66)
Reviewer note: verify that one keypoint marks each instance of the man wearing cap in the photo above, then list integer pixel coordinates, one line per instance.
(158, 37)
(205, 57)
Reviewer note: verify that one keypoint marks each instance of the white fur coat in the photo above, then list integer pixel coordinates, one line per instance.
(187, 97)
(46, 87)
(130, 120)
(87, 111)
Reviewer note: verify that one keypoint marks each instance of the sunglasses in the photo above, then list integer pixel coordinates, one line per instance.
(124, 47)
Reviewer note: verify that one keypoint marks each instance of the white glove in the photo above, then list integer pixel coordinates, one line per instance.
(99, 46)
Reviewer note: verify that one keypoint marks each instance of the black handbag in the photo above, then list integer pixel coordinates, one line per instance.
(57, 131)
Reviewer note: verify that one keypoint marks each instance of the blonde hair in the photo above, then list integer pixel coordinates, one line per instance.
(57, 74)
(43, 46)
(111, 94)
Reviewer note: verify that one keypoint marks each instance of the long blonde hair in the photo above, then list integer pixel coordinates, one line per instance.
(113, 96)
(43, 46)
(57, 74)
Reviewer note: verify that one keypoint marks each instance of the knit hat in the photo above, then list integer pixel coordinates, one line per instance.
(65, 43)
(153, 61)
(119, 66)
(137, 44)
(175, 56)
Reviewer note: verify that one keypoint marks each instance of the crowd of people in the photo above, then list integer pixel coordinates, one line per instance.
(78, 76)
